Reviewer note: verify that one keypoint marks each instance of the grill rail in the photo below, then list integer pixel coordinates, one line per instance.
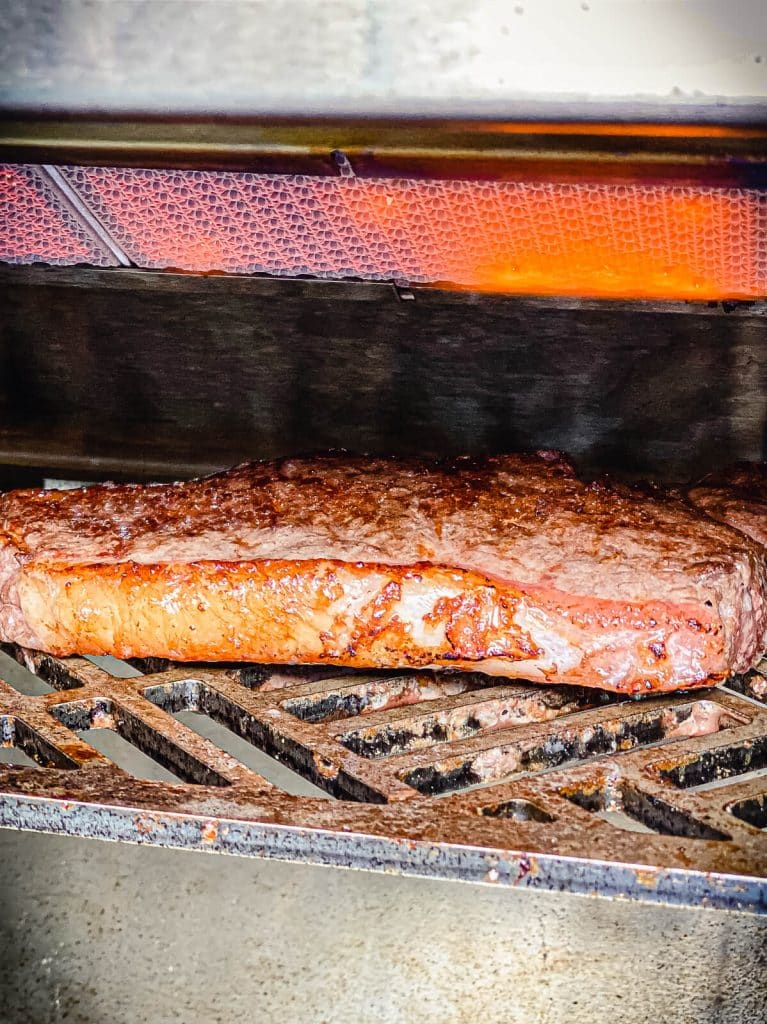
(659, 799)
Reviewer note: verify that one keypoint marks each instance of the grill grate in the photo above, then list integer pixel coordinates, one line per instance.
(660, 799)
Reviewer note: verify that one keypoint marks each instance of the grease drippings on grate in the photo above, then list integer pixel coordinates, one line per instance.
(718, 763)
(499, 707)
(666, 779)
(351, 697)
(24, 746)
(627, 807)
(587, 738)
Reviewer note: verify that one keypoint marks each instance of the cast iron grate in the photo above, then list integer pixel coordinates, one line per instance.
(455, 776)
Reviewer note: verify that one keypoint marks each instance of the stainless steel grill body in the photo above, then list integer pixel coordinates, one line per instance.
(94, 932)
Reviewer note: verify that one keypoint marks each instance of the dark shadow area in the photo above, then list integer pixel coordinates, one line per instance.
(154, 375)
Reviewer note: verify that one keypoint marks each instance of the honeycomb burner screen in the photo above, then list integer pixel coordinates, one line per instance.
(655, 241)
(37, 226)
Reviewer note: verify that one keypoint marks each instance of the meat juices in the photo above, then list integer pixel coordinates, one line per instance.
(506, 565)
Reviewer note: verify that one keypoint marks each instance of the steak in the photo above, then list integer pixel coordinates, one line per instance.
(738, 497)
(506, 565)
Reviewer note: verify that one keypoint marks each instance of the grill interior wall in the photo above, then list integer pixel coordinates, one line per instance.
(151, 375)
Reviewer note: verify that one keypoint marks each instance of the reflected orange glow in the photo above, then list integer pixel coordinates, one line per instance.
(677, 131)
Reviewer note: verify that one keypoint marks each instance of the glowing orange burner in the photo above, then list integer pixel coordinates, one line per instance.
(653, 241)
(36, 228)
(675, 243)
(635, 240)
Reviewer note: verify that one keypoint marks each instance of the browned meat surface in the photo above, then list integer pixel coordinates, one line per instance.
(509, 566)
(738, 497)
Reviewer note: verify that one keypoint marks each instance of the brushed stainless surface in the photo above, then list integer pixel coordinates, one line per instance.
(370, 57)
(95, 932)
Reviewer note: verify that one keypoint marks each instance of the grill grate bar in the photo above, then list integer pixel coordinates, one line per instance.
(597, 793)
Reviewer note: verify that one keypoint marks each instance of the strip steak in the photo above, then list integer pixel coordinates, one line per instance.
(506, 565)
(738, 497)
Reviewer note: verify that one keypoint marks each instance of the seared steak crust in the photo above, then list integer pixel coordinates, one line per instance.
(737, 496)
(508, 565)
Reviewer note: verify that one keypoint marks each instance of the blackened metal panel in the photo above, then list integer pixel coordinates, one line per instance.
(153, 375)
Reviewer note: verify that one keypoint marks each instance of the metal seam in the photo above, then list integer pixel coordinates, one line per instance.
(80, 210)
